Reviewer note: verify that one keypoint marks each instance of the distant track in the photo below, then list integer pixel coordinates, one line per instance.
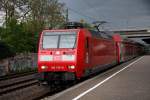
(15, 75)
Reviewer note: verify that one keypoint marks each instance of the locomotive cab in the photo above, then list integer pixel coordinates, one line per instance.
(57, 54)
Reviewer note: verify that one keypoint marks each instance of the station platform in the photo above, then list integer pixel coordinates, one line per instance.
(128, 81)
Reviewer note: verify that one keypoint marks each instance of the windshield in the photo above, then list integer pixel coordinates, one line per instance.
(59, 40)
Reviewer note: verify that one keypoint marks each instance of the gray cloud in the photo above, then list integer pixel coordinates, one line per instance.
(120, 13)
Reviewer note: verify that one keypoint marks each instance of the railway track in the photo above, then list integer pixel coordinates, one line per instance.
(25, 87)
(10, 85)
(15, 86)
(16, 75)
(28, 88)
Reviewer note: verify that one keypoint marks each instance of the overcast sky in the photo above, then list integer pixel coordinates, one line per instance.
(121, 14)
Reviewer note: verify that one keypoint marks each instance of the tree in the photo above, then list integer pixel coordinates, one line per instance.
(5, 50)
(49, 12)
(25, 19)
(13, 8)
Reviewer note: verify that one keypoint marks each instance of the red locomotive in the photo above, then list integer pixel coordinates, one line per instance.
(71, 54)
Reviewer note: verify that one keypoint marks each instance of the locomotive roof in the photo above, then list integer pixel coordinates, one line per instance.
(60, 30)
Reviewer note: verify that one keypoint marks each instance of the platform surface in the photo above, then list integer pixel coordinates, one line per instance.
(128, 81)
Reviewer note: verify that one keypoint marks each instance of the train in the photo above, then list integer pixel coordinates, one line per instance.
(76, 52)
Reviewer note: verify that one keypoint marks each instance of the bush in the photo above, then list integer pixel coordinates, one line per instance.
(5, 51)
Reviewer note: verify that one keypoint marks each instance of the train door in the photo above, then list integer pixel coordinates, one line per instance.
(88, 54)
(87, 70)
(120, 51)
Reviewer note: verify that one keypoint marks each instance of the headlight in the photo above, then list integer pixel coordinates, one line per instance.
(68, 57)
(44, 67)
(71, 67)
(46, 58)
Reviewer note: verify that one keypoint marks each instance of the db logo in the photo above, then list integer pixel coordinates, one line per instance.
(57, 57)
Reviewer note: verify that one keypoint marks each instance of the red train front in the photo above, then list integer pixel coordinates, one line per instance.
(57, 56)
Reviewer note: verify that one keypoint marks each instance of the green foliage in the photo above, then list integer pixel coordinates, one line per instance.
(21, 30)
(5, 51)
(19, 37)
